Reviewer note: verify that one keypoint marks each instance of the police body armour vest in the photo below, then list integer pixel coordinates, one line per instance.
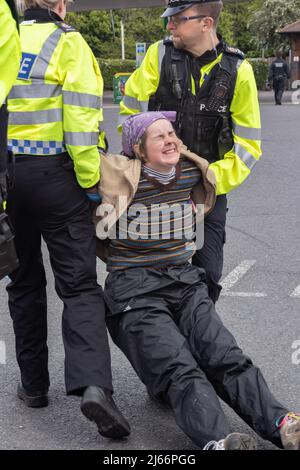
(203, 119)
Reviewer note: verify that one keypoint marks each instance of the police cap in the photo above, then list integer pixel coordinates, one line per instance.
(177, 6)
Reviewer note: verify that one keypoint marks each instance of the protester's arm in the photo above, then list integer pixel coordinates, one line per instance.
(237, 164)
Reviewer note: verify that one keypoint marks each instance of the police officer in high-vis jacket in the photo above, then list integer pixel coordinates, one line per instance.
(213, 90)
(55, 110)
(10, 55)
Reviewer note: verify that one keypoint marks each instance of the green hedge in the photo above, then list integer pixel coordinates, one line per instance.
(261, 70)
(111, 66)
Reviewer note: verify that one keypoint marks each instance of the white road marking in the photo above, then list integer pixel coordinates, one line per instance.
(236, 275)
(2, 352)
(296, 292)
(243, 294)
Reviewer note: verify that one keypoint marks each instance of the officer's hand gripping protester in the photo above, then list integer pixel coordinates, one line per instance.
(55, 110)
(158, 309)
(212, 88)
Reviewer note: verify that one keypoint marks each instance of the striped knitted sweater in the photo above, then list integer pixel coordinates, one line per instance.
(152, 235)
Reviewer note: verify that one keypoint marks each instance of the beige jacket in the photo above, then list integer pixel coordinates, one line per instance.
(119, 181)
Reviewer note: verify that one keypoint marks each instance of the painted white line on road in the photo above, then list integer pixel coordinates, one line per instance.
(112, 106)
(236, 275)
(2, 352)
(296, 292)
(243, 294)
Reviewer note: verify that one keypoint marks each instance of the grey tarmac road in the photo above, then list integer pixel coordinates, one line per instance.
(261, 305)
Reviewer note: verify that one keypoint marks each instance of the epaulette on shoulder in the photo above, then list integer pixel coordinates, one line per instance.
(67, 28)
(234, 51)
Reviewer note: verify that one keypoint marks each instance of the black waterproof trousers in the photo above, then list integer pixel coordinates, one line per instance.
(210, 257)
(47, 202)
(166, 324)
(278, 87)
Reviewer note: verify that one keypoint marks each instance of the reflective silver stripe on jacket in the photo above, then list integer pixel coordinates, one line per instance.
(83, 100)
(81, 138)
(44, 57)
(35, 117)
(133, 103)
(251, 133)
(37, 89)
(245, 156)
(161, 54)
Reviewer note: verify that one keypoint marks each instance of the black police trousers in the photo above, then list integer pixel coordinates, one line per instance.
(210, 257)
(46, 201)
(278, 87)
(167, 326)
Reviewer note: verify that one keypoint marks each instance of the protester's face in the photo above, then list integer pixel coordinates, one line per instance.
(186, 35)
(162, 146)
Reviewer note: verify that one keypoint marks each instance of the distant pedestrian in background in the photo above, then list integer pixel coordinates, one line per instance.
(278, 73)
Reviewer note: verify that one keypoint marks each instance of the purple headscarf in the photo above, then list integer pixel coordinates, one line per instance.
(135, 126)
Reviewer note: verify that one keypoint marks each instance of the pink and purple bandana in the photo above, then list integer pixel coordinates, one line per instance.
(136, 125)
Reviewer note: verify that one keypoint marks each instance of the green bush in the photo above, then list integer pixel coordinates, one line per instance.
(111, 66)
(261, 70)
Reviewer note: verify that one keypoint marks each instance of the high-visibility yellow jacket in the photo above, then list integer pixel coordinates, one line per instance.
(56, 102)
(10, 51)
(237, 164)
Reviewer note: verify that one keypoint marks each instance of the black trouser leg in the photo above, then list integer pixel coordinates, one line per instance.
(210, 257)
(27, 299)
(278, 89)
(72, 256)
(51, 196)
(162, 359)
(233, 375)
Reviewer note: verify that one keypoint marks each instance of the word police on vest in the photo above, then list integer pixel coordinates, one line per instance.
(221, 109)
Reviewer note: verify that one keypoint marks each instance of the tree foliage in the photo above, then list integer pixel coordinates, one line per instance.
(273, 15)
(248, 25)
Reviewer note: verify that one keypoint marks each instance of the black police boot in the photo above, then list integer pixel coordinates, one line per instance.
(98, 405)
(36, 399)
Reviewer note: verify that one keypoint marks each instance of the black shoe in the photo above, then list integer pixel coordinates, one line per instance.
(32, 399)
(98, 405)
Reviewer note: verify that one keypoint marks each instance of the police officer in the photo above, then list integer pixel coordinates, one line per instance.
(213, 90)
(278, 73)
(55, 111)
(10, 55)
